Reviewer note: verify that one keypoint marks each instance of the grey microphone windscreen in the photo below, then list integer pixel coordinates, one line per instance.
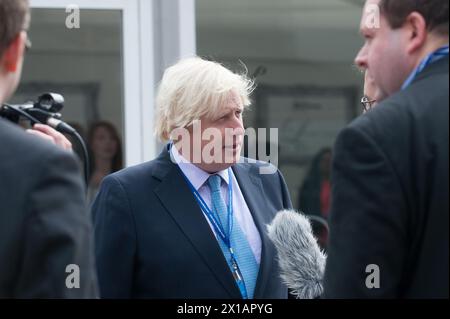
(302, 263)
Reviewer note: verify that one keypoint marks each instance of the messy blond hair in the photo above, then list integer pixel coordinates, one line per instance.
(193, 88)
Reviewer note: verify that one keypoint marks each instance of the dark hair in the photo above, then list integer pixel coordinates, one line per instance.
(314, 171)
(117, 159)
(14, 17)
(309, 192)
(435, 13)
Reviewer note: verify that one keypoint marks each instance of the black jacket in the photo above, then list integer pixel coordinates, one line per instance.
(390, 189)
(44, 225)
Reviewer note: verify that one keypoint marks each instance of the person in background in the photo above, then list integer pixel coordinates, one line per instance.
(314, 194)
(370, 91)
(105, 154)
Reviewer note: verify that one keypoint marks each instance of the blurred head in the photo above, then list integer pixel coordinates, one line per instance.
(105, 145)
(370, 91)
(199, 106)
(14, 22)
(398, 35)
(325, 157)
(320, 167)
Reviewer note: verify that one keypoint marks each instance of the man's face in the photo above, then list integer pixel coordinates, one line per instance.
(384, 52)
(221, 137)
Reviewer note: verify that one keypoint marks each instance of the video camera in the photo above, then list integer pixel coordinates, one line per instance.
(45, 111)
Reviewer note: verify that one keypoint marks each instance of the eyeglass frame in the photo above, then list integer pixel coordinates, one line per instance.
(28, 43)
(367, 103)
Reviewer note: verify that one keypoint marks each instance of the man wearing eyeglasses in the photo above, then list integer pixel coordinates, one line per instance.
(389, 221)
(370, 91)
(45, 232)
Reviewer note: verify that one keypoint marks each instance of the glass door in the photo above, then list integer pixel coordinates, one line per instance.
(93, 54)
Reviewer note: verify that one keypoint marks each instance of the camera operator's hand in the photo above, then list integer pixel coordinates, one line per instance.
(50, 134)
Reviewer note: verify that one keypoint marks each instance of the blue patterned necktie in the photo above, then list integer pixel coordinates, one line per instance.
(244, 256)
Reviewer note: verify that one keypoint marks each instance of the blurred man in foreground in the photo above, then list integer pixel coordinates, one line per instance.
(45, 234)
(390, 183)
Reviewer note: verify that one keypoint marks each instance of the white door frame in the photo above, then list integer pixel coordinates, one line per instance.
(138, 70)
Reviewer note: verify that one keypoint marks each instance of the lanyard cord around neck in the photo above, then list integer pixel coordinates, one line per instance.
(215, 222)
(429, 59)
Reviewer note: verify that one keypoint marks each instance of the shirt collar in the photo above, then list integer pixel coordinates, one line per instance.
(429, 59)
(194, 174)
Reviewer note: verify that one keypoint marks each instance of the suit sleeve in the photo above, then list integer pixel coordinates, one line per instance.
(115, 240)
(367, 221)
(58, 233)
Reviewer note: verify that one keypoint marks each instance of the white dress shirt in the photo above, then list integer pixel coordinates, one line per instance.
(199, 178)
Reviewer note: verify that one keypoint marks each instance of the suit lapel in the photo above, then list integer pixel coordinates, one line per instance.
(256, 200)
(177, 198)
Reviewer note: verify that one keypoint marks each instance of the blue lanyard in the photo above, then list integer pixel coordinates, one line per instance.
(217, 225)
(219, 230)
(430, 58)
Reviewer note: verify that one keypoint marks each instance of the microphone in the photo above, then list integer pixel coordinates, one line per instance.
(301, 261)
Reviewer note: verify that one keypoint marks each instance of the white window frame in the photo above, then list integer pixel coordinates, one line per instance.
(138, 72)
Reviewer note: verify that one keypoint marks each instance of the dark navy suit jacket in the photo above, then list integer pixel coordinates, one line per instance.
(44, 223)
(153, 241)
(390, 196)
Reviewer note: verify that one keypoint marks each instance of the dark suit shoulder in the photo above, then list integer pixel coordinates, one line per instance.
(420, 110)
(27, 161)
(254, 166)
(22, 147)
(139, 172)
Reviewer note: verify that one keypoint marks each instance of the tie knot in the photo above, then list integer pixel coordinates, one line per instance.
(214, 182)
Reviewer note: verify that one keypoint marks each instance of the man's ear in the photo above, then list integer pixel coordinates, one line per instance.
(416, 28)
(13, 53)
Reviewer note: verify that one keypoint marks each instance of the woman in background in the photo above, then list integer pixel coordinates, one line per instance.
(105, 154)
